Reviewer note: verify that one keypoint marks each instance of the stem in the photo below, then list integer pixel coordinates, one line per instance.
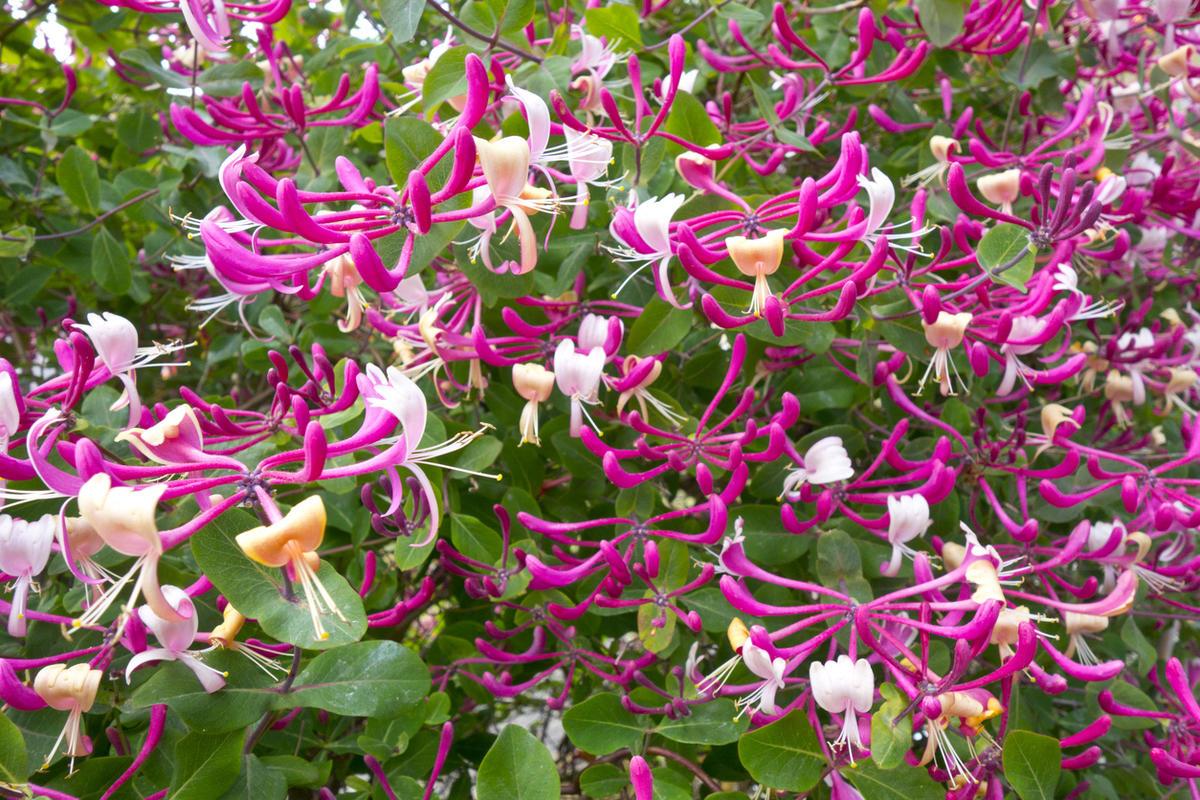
(33, 13)
(269, 718)
(133, 201)
(687, 764)
(483, 37)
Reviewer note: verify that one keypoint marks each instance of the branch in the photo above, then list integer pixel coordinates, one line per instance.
(133, 201)
(483, 37)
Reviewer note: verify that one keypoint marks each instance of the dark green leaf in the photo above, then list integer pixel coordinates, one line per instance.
(205, 766)
(243, 700)
(658, 328)
(517, 767)
(711, 723)
(600, 725)
(110, 263)
(364, 679)
(14, 762)
(1032, 763)
(257, 782)
(902, 783)
(784, 755)
(79, 179)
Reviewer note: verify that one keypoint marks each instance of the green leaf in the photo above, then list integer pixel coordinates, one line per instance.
(906, 783)
(942, 20)
(890, 742)
(766, 541)
(1143, 653)
(603, 780)
(243, 700)
(14, 761)
(600, 725)
(205, 766)
(658, 328)
(407, 141)
(364, 679)
(17, 243)
(474, 539)
(110, 263)
(257, 782)
(1007, 246)
(688, 120)
(517, 14)
(401, 17)
(79, 179)
(1041, 64)
(839, 564)
(517, 767)
(271, 320)
(258, 591)
(447, 79)
(297, 771)
(711, 723)
(784, 755)
(616, 22)
(656, 626)
(1032, 763)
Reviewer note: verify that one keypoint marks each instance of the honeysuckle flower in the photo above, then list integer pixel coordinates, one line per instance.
(116, 342)
(588, 158)
(24, 551)
(175, 639)
(593, 332)
(944, 334)
(533, 383)
(578, 377)
(175, 439)
(505, 165)
(908, 518)
(1077, 626)
(825, 462)
(71, 689)
(1119, 390)
(845, 687)
(344, 281)
(771, 670)
(644, 238)
(757, 258)
(638, 374)
(123, 517)
(942, 147)
(881, 193)
(224, 636)
(1024, 328)
(1001, 189)
(291, 541)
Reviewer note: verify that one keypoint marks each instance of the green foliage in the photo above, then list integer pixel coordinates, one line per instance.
(784, 755)
(1032, 763)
